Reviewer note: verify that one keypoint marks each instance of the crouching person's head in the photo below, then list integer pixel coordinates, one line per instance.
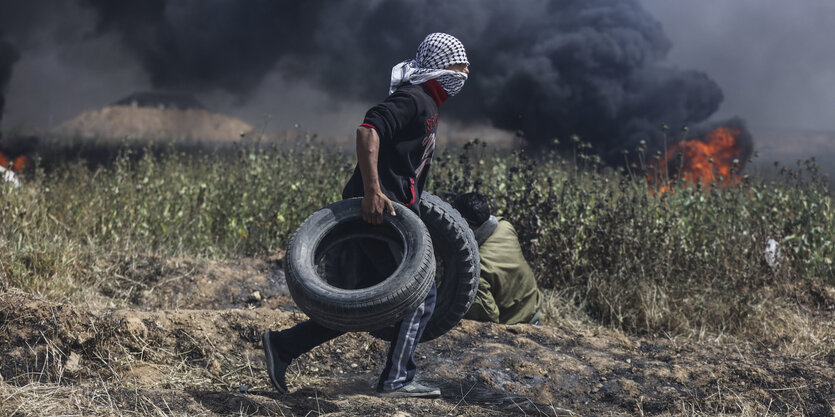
(474, 208)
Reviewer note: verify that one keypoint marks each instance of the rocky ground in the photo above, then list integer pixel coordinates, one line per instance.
(186, 341)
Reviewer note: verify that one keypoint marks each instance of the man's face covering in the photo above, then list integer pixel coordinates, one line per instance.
(435, 55)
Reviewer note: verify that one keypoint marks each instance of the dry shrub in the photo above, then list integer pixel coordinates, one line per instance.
(685, 262)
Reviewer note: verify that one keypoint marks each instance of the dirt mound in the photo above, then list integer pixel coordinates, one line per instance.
(152, 123)
(60, 358)
(178, 283)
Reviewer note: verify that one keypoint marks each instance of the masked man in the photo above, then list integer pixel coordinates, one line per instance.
(395, 144)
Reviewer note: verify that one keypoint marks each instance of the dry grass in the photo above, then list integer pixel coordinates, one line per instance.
(124, 362)
(777, 323)
(609, 252)
(89, 398)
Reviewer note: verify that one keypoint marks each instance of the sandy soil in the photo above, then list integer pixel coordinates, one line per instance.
(187, 343)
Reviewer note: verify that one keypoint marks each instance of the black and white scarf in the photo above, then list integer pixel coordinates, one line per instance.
(435, 53)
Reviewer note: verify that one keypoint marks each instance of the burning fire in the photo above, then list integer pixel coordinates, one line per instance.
(16, 165)
(714, 159)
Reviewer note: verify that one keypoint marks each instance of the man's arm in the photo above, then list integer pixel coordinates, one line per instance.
(374, 202)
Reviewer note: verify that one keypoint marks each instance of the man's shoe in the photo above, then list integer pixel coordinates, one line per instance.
(276, 367)
(412, 389)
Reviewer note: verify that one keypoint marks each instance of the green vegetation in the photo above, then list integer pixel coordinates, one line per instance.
(685, 262)
(689, 261)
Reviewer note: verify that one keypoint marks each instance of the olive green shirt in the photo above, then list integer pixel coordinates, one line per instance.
(507, 291)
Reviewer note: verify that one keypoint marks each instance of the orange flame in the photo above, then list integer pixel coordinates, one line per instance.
(16, 165)
(714, 159)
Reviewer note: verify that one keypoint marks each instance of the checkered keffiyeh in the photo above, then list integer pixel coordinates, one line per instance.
(435, 53)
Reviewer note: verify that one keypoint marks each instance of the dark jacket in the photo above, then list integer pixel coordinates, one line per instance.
(406, 122)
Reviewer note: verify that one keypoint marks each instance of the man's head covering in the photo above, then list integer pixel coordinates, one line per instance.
(436, 52)
(440, 50)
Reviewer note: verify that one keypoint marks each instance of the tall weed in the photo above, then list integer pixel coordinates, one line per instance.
(686, 261)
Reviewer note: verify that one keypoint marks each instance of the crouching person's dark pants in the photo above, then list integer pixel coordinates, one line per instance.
(400, 366)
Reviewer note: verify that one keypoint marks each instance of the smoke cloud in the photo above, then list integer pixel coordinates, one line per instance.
(8, 56)
(547, 68)
(772, 58)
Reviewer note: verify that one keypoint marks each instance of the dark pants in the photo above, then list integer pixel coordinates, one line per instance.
(400, 366)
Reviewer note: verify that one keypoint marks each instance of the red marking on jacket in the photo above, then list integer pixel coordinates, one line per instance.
(412, 188)
(369, 125)
(431, 123)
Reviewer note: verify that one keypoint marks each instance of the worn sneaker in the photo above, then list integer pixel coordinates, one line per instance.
(276, 367)
(412, 389)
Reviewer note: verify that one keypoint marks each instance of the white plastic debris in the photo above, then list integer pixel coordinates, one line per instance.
(773, 254)
(9, 176)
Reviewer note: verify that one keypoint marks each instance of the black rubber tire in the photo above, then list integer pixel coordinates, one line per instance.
(456, 253)
(364, 309)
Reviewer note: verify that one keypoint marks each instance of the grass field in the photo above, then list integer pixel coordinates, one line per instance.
(608, 248)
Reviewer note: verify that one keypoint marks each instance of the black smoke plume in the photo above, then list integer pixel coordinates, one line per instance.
(547, 68)
(8, 56)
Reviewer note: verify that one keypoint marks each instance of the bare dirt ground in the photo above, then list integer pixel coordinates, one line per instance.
(184, 339)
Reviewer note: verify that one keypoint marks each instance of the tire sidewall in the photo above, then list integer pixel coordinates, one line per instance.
(368, 308)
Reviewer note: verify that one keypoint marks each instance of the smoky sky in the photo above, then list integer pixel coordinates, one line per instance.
(548, 69)
(8, 56)
(774, 59)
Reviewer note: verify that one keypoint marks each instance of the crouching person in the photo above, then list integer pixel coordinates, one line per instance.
(507, 291)
(395, 144)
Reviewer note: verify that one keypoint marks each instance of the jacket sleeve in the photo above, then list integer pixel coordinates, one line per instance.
(388, 117)
(484, 307)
